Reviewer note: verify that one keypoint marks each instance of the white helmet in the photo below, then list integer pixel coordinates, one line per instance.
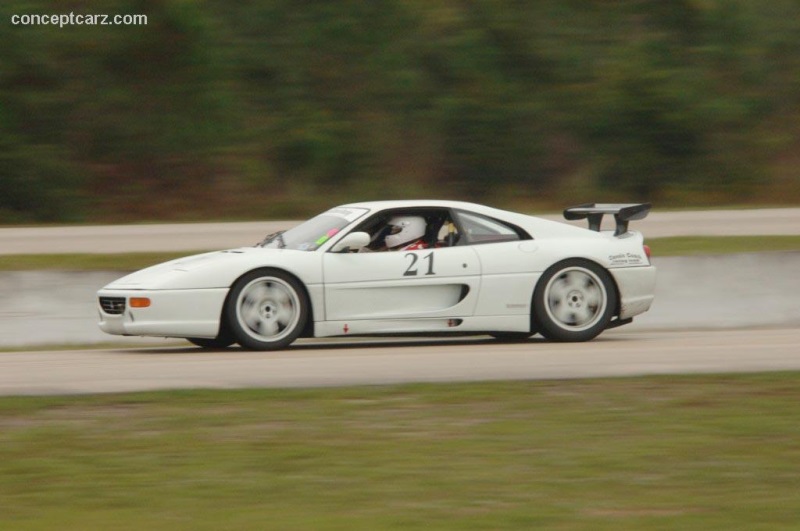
(405, 229)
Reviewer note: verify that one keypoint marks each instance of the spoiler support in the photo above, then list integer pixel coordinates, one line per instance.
(594, 212)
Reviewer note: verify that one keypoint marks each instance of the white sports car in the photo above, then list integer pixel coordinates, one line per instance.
(398, 267)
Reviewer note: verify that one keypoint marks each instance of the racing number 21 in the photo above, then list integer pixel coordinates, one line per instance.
(412, 268)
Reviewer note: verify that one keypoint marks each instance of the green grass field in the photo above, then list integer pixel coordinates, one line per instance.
(690, 452)
(697, 245)
(675, 246)
(86, 262)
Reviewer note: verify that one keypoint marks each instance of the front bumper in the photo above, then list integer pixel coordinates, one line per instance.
(172, 313)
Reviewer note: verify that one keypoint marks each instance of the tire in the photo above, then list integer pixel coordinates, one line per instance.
(267, 309)
(221, 341)
(574, 301)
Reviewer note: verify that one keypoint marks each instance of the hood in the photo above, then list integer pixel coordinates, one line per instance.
(176, 274)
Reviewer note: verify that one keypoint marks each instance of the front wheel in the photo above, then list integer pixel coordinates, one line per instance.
(574, 301)
(267, 309)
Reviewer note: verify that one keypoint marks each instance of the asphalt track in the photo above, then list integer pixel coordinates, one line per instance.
(207, 236)
(376, 362)
(623, 352)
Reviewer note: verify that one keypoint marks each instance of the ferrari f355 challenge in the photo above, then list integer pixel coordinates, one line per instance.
(398, 268)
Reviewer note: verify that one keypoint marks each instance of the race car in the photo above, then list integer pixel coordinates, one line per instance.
(398, 268)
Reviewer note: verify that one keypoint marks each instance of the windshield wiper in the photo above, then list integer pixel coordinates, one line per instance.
(272, 237)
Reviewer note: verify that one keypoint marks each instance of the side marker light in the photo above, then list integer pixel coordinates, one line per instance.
(140, 302)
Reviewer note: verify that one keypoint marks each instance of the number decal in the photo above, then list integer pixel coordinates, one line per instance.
(412, 270)
(429, 258)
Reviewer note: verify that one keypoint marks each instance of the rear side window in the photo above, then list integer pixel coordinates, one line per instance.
(480, 229)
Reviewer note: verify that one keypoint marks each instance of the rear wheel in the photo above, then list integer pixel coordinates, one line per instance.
(574, 301)
(267, 309)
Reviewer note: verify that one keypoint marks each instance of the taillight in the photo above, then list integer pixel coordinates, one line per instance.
(647, 251)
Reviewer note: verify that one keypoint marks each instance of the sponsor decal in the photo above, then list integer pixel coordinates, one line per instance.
(626, 259)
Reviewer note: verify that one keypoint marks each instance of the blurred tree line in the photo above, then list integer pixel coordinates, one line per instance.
(279, 107)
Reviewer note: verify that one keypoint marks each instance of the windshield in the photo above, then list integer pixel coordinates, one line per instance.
(309, 236)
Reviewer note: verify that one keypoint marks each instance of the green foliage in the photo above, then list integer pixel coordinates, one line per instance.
(219, 108)
(36, 181)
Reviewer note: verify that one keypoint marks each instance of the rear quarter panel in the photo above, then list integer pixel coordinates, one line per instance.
(510, 271)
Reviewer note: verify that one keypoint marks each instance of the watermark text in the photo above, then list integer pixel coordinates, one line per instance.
(79, 19)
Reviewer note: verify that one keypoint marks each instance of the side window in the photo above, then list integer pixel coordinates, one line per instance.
(480, 229)
(409, 229)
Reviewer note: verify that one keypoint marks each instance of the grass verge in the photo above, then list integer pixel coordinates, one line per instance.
(690, 452)
(673, 246)
(696, 245)
(86, 261)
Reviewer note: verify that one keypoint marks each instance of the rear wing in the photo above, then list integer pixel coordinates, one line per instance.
(594, 212)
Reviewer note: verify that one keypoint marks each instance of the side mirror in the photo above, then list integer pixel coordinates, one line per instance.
(354, 240)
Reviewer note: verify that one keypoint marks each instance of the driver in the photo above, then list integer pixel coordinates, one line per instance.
(406, 233)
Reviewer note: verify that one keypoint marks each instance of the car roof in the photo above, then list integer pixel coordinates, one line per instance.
(423, 203)
(534, 225)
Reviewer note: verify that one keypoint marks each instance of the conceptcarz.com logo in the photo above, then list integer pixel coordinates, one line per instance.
(79, 19)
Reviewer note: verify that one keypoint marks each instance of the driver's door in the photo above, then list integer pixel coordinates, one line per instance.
(437, 283)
